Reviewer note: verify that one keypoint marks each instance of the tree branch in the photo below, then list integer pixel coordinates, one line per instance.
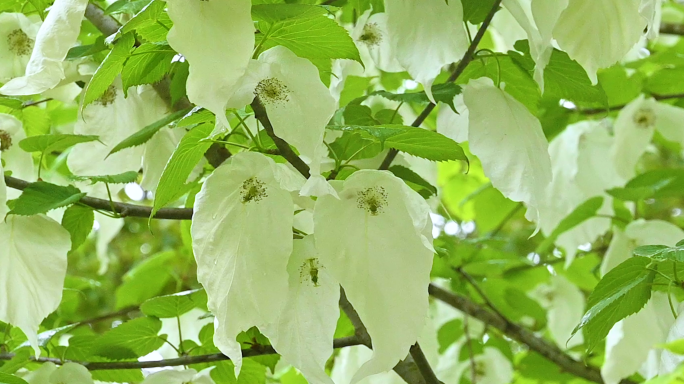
(467, 58)
(596, 111)
(520, 334)
(185, 360)
(123, 209)
(283, 146)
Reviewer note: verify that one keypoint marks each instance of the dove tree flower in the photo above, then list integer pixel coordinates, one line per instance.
(15, 159)
(424, 36)
(217, 39)
(379, 247)
(17, 37)
(372, 39)
(56, 36)
(186, 376)
(240, 202)
(298, 105)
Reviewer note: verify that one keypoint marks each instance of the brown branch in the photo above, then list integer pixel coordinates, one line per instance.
(184, 360)
(122, 209)
(467, 58)
(520, 334)
(672, 29)
(283, 146)
(596, 111)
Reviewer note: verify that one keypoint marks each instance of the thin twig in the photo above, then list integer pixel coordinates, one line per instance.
(596, 111)
(471, 354)
(467, 58)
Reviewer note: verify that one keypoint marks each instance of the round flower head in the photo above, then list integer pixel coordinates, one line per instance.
(17, 38)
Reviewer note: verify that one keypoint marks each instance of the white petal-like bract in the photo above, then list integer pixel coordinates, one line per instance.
(597, 34)
(242, 241)
(379, 247)
(426, 35)
(17, 37)
(114, 118)
(217, 39)
(305, 329)
(16, 159)
(509, 142)
(372, 40)
(36, 284)
(71, 373)
(54, 39)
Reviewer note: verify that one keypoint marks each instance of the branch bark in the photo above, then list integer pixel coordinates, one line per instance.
(467, 58)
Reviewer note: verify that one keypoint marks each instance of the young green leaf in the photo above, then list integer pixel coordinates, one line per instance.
(147, 65)
(414, 181)
(122, 178)
(78, 220)
(621, 292)
(41, 197)
(53, 142)
(131, 339)
(145, 134)
(189, 152)
(174, 305)
(109, 69)
(11, 379)
(443, 93)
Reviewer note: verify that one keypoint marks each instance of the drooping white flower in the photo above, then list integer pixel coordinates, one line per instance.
(348, 361)
(509, 142)
(36, 288)
(298, 104)
(242, 240)
(564, 303)
(372, 39)
(217, 39)
(17, 37)
(56, 36)
(426, 36)
(41, 375)
(186, 376)
(537, 18)
(71, 373)
(651, 10)
(379, 247)
(16, 159)
(305, 328)
(597, 34)
(628, 346)
(113, 118)
(451, 124)
(156, 154)
(634, 128)
(575, 154)
(670, 361)
(637, 233)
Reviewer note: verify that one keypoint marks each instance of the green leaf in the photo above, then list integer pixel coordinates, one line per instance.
(649, 250)
(126, 6)
(145, 134)
(414, 181)
(174, 305)
(475, 11)
(87, 50)
(414, 141)
(272, 13)
(639, 193)
(188, 153)
(443, 93)
(109, 69)
(36, 120)
(308, 34)
(54, 142)
(579, 215)
(676, 346)
(667, 81)
(147, 65)
(41, 197)
(78, 220)
(122, 178)
(147, 15)
(354, 145)
(145, 280)
(6, 378)
(131, 339)
(181, 71)
(622, 291)
(11, 102)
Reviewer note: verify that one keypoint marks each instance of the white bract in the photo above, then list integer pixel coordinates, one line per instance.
(509, 142)
(71, 373)
(426, 35)
(157, 153)
(17, 37)
(634, 128)
(298, 104)
(242, 240)
(36, 286)
(491, 367)
(629, 343)
(191, 323)
(114, 118)
(186, 376)
(451, 124)
(16, 159)
(217, 39)
(379, 247)
(564, 303)
(56, 36)
(637, 233)
(597, 34)
(669, 361)
(372, 40)
(303, 334)
(576, 178)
